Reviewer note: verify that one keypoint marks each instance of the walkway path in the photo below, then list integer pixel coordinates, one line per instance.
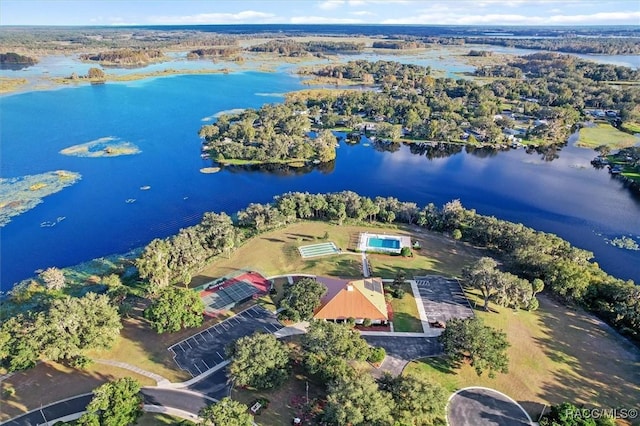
(423, 315)
(160, 381)
(365, 266)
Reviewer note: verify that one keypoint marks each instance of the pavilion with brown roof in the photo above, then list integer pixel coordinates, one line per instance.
(357, 299)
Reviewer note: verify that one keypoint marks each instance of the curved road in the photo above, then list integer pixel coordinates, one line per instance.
(191, 399)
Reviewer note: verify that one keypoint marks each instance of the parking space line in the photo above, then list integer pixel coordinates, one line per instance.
(225, 326)
(199, 371)
(207, 330)
(219, 332)
(221, 357)
(187, 342)
(205, 364)
(180, 345)
(249, 313)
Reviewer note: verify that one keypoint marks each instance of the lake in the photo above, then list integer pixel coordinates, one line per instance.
(107, 211)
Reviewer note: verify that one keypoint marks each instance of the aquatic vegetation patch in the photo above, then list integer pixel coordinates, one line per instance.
(625, 242)
(17, 195)
(109, 146)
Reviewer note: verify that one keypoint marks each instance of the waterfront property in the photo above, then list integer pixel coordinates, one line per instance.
(392, 244)
(357, 299)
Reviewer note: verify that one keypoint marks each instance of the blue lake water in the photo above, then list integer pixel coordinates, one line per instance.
(162, 117)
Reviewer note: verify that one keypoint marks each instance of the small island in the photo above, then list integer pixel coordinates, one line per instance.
(104, 147)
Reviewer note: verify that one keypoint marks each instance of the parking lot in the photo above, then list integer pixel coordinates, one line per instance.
(206, 349)
(442, 298)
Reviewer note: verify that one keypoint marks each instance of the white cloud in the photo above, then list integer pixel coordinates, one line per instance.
(362, 13)
(246, 16)
(323, 20)
(330, 4)
(448, 17)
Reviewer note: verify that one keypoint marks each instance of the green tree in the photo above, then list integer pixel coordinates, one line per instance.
(417, 402)
(115, 403)
(358, 401)
(96, 74)
(76, 324)
(260, 361)
(329, 346)
(482, 276)
(456, 234)
(174, 309)
(567, 414)
(53, 278)
(21, 341)
(153, 265)
(226, 412)
(484, 347)
(302, 298)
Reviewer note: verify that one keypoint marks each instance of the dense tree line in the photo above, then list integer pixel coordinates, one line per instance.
(585, 45)
(171, 259)
(398, 44)
(294, 48)
(271, 134)
(64, 330)
(12, 58)
(124, 56)
(214, 52)
(564, 270)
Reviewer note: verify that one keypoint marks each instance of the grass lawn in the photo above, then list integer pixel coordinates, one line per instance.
(605, 134)
(276, 253)
(556, 354)
(154, 419)
(405, 312)
(631, 127)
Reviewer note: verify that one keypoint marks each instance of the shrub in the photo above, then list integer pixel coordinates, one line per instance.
(366, 322)
(398, 293)
(405, 252)
(376, 355)
(81, 362)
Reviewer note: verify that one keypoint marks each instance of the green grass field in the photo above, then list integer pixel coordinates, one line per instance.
(276, 253)
(556, 354)
(630, 126)
(605, 134)
(405, 312)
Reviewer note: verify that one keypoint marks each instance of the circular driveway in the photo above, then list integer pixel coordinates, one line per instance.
(477, 406)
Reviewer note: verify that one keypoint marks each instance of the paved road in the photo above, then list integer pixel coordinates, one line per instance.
(401, 350)
(51, 412)
(214, 386)
(482, 406)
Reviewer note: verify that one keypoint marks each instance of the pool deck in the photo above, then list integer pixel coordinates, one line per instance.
(363, 242)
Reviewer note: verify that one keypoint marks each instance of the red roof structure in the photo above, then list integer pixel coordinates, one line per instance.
(358, 299)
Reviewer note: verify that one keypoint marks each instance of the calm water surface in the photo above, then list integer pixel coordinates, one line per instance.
(162, 116)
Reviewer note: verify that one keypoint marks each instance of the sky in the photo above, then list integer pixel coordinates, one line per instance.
(416, 12)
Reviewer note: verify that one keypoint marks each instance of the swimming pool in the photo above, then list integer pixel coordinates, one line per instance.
(384, 243)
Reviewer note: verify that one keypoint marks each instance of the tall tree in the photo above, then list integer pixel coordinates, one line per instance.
(357, 400)
(174, 309)
(302, 298)
(226, 412)
(484, 347)
(417, 402)
(115, 403)
(153, 265)
(328, 347)
(260, 361)
(76, 324)
(53, 278)
(482, 276)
